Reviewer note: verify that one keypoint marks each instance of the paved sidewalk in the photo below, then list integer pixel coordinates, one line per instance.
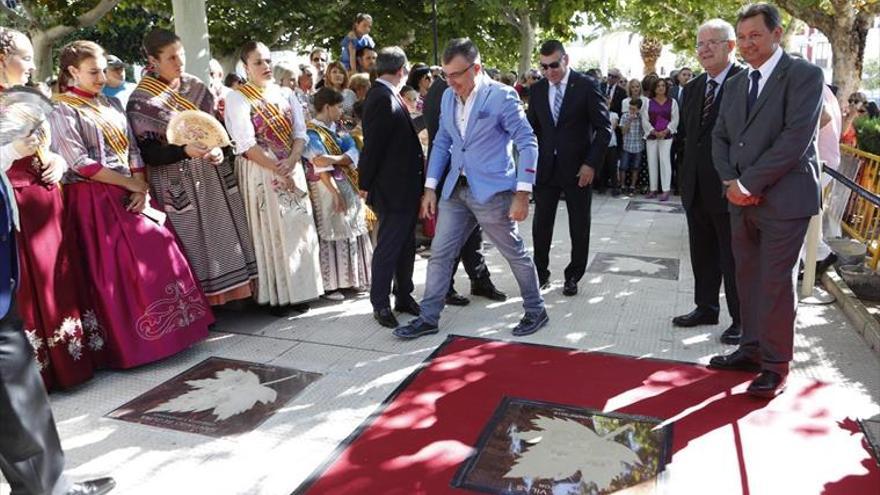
(362, 363)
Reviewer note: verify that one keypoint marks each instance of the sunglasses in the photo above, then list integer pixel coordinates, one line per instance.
(551, 65)
(854, 101)
(319, 60)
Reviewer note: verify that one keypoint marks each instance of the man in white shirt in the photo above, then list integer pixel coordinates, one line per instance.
(480, 122)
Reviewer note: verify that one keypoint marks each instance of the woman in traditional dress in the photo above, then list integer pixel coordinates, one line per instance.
(195, 186)
(142, 286)
(346, 250)
(266, 123)
(68, 343)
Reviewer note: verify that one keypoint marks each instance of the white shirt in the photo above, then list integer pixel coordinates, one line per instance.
(766, 70)
(238, 116)
(563, 85)
(463, 109)
(612, 116)
(719, 79)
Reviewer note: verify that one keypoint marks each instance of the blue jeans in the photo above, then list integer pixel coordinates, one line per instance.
(458, 216)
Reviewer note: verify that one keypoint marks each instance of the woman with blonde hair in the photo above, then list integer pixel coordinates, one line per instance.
(266, 123)
(336, 78)
(141, 284)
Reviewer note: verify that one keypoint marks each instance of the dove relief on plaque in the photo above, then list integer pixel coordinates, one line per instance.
(635, 266)
(538, 448)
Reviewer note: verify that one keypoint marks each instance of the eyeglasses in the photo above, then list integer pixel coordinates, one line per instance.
(551, 65)
(456, 75)
(709, 44)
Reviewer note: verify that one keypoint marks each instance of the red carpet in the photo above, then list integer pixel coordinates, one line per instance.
(723, 441)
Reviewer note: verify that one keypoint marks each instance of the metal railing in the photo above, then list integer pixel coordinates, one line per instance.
(861, 217)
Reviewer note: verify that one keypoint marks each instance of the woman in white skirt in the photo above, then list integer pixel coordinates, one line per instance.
(331, 158)
(267, 126)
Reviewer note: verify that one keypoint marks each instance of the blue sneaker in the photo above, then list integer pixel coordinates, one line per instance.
(531, 323)
(415, 329)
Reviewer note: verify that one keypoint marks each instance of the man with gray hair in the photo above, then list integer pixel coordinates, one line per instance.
(701, 188)
(391, 172)
(480, 122)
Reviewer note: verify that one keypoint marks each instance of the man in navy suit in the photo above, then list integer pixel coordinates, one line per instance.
(701, 189)
(480, 122)
(31, 458)
(391, 170)
(569, 114)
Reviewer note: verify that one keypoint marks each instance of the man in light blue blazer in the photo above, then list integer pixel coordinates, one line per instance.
(480, 123)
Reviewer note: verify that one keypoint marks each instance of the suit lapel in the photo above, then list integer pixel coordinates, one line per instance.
(771, 87)
(479, 102)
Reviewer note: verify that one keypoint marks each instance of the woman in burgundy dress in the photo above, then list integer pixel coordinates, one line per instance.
(144, 290)
(68, 343)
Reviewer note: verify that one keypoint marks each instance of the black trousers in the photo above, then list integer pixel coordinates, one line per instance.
(578, 200)
(30, 453)
(393, 257)
(712, 258)
(472, 258)
(606, 176)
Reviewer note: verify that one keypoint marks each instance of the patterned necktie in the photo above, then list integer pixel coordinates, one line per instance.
(557, 102)
(753, 91)
(708, 101)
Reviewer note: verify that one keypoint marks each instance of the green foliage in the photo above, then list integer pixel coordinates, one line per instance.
(868, 134)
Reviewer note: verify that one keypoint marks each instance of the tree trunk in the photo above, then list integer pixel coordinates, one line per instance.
(526, 42)
(42, 54)
(847, 53)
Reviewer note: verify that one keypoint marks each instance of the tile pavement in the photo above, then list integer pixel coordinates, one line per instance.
(362, 363)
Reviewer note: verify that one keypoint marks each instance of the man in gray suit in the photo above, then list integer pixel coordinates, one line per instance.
(764, 148)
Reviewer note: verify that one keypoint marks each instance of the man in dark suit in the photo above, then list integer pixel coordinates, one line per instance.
(569, 115)
(471, 255)
(31, 458)
(701, 189)
(391, 171)
(614, 94)
(764, 148)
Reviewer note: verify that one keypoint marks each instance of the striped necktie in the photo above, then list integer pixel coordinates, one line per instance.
(557, 102)
(708, 101)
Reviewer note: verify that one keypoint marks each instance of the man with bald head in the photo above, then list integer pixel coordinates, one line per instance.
(701, 188)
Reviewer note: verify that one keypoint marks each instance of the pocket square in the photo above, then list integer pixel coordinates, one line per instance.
(483, 114)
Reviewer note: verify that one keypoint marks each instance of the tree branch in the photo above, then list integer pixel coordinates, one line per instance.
(812, 17)
(871, 8)
(87, 19)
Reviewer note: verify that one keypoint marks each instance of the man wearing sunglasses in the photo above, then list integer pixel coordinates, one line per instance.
(319, 58)
(569, 114)
(480, 123)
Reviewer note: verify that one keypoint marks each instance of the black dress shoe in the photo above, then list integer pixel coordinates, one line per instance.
(279, 311)
(456, 299)
(735, 361)
(570, 288)
(531, 323)
(696, 317)
(98, 486)
(386, 318)
(415, 329)
(769, 384)
(408, 305)
(544, 283)
(732, 335)
(485, 288)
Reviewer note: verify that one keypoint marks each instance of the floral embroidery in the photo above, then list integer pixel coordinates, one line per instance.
(179, 310)
(37, 346)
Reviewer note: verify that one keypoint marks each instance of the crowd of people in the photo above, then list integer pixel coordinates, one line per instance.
(126, 241)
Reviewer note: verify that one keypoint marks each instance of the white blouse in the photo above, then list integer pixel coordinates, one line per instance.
(238, 116)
